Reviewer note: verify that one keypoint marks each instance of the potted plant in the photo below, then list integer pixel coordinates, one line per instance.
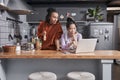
(95, 14)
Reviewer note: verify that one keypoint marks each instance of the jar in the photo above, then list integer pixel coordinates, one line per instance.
(38, 44)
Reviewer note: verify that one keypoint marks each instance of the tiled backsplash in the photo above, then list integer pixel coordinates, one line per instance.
(9, 27)
(25, 31)
(5, 29)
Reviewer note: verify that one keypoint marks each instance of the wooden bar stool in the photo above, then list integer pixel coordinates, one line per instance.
(80, 76)
(42, 76)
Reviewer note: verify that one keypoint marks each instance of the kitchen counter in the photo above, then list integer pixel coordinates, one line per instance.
(106, 58)
(98, 54)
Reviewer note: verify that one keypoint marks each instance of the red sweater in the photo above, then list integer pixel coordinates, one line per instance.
(53, 31)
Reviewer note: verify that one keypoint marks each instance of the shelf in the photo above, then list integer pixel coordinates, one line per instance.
(2, 7)
(20, 12)
(75, 21)
(59, 21)
(34, 22)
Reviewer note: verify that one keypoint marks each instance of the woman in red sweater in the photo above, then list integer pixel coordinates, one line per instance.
(50, 31)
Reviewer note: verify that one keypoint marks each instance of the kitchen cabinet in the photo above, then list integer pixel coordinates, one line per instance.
(103, 31)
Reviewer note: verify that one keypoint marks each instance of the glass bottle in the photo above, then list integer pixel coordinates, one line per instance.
(38, 43)
(18, 48)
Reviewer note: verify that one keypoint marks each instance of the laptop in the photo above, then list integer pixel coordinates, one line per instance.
(86, 45)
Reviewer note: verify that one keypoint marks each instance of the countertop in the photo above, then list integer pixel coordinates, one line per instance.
(52, 54)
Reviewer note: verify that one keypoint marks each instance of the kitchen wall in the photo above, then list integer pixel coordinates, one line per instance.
(10, 27)
(39, 14)
(79, 9)
(6, 28)
(116, 29)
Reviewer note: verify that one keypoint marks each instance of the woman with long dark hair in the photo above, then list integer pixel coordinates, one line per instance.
(69, 40)
(50, 30)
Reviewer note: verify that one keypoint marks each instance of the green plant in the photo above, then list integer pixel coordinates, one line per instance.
(95, 13)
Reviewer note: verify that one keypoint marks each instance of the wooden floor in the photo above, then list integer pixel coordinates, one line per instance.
(116, 72)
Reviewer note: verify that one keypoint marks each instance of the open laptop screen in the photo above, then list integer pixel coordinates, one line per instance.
(86, 45)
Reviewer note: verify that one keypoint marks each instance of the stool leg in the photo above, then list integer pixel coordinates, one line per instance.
(106, 69)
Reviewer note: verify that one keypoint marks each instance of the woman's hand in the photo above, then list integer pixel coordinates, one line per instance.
(57, 43)
(44, 35)
(74, 42)
(59, 49)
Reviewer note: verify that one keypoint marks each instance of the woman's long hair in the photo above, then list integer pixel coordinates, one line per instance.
(49, 12)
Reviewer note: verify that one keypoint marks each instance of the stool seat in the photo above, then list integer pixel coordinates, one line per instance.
(42, 76)
(80, 76)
